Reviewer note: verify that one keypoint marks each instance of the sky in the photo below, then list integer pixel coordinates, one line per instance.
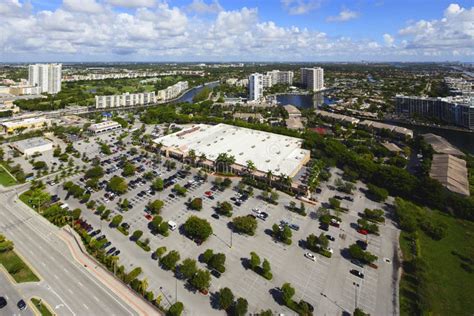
(236, 30)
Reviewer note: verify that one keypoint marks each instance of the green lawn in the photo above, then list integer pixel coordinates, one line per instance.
(450, 269)
(43, 309)
(5, 179)
(16, 267)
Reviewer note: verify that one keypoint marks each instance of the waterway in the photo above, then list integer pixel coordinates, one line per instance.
(304, 101)
(189, 95)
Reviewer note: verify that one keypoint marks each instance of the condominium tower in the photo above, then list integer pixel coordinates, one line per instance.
(312, 78)
(255, 87)
(45, 76)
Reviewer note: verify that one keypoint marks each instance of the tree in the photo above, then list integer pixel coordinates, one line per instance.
(201, 280)
(155, 222)
(118, 185)
(95, 172)
(266, 269)
(225, 298)
(137, 234)
(158, 184)
(5, 244)
(224, 208)
(175, 310)
(76, 213)
(196, 204)
(163, 229)
(323, 241)
(335, 203)
(241, 307)
(196, 227)
(39, 165)
(217, 262)
(377, 193)
(116, 220)
(287, 292)
(188, 268)
(179, 190)
(245, 224)
(360, 312)
(155, 206)
(169, 261)
(207, 255)
(254, 261)
(128, 169)
(358, 253)
(159, 251)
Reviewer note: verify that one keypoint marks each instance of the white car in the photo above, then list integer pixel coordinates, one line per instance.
(330, 250)
(310, 256)
(256, 210)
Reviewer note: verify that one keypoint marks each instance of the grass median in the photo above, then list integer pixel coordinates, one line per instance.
(16, 267)
(42, 308)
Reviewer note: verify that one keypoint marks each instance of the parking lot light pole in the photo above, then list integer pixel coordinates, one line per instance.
(356, 286)
(167, 299)
(231, 234)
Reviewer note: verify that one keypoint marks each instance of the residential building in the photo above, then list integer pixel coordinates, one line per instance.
(173, 91)
(104, 127)
(32, 146)
(255, 87)
(312, 78)
(281, 77)
(25, 90)
(451, 110)
(124, 100)
(45, 76)
(267, 81)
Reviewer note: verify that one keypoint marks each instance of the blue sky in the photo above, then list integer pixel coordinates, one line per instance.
(220, 30)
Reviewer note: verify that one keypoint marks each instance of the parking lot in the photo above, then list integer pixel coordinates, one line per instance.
(325, 283)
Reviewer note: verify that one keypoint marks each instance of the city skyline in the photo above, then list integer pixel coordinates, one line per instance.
(204, 30)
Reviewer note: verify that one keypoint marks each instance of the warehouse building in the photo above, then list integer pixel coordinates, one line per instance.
(29, 123)
(31, 146)
(279, 154)
(104, 127)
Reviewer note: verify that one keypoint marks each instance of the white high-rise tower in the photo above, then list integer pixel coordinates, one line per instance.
(312, 78)
(45, 76)
(255, 87)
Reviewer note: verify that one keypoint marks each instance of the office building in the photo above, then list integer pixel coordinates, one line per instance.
(45, 76)
(255, 87)
(451, 110)
(312, 78)
(124, 100)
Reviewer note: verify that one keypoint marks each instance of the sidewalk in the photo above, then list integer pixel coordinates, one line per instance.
(78, 252)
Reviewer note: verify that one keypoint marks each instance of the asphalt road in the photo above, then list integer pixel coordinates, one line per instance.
(65, 285)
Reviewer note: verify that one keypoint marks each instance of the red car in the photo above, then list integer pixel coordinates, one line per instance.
(148, 217)
(362, 231)
(208, 193)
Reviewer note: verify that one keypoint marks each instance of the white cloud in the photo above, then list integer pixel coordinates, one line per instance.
(388, 39)
(164, 32)
(85, 6)
(343, 16)
(455, 31)
(201, 7)
(296, 7)
(132, 3)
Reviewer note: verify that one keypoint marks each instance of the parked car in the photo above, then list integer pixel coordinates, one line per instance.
(310, 307)
(294, 227)
(3, 302)
(362, 231)
(310, 256)
(324, 227)
(362, 244)
(357, 273)
(357, 263)
(216, 216)
(331, 238)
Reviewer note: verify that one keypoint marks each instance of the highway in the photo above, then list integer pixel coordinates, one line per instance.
(65, 284)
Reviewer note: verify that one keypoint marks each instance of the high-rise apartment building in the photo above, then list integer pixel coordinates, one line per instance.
(45, 76)
(281, 77)
(255, 87)
(312, 78)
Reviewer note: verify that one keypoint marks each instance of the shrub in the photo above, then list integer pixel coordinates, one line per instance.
(245, 224)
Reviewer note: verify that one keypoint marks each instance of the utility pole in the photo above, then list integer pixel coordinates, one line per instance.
(231, 235)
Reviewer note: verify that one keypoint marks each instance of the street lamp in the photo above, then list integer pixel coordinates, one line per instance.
(167, 299)
(356, 286)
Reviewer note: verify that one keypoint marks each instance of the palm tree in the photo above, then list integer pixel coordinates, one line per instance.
(192, 156)
(269, 177)
(143, 286)
(285, 180)
(250, 167)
